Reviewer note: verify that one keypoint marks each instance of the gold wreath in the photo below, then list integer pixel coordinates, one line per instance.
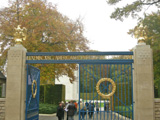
(113, 87)
(35, 92)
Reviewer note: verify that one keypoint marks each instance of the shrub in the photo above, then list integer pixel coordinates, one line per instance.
(45, 108)
(0, 91)
(52, 94)
(124, 111)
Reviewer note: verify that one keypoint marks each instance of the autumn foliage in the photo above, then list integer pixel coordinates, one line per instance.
(47, 31)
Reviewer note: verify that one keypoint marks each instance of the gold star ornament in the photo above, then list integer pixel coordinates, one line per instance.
(20, 34)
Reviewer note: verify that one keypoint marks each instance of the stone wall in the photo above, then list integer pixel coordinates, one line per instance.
(157, 109)
(2, 108)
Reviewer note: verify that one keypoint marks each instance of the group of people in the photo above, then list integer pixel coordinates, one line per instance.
(88, 108)
(72, 108)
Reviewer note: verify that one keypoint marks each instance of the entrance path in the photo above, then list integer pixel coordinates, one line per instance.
(53, 117)
(107, 116)
(47, 118)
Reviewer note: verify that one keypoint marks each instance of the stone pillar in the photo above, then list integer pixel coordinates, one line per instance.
(2, 108)
(16, 84)
(143, 83)
(4, 90)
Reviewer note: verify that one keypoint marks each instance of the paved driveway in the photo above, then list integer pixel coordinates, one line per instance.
(53, 117)
(99, 116)
(47, 118)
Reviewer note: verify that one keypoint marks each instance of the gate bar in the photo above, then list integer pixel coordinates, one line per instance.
(110, 61)
(77, 53)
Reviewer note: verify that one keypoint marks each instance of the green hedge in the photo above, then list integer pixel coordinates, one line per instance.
(45, 108)
(125, 111)
(0, 91)
(52, 94)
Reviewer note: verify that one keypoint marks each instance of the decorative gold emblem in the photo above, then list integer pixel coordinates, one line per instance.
(34, 92)
(140, 33)
(20, 34)
(106, 80)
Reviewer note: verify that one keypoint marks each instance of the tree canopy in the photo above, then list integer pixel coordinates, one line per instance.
(147, 26)
(47, 31)
(151, 30)
(131, 8)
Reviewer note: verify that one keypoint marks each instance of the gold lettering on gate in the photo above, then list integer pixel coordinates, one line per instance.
(84, 57)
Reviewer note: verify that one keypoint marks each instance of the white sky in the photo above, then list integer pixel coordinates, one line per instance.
(105, 34)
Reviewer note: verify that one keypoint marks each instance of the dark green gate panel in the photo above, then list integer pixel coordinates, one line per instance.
(115, 107)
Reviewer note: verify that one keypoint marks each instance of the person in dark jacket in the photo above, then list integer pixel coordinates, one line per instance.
(60, 112)
(67, 109)
(91, 110)
(97, 106)
(71, 110)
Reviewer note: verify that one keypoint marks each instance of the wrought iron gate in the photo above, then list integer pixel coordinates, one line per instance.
(103, 82)
(32, 93)
(116, 107)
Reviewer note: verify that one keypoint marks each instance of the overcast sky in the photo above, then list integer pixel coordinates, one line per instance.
(105, 34)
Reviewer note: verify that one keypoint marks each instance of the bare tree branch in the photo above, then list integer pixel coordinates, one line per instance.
(151, 3)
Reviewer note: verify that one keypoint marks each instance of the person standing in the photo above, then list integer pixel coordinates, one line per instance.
(91, 110)
(66, 109)
(71, 110)
(60, 112)
(76, 104)
(82, 110)
(97, 106)
(87, 105)
(105, 106)
(63, 104)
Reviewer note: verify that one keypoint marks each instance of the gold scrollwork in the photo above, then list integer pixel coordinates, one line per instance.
(106, 80)
(34, 92)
